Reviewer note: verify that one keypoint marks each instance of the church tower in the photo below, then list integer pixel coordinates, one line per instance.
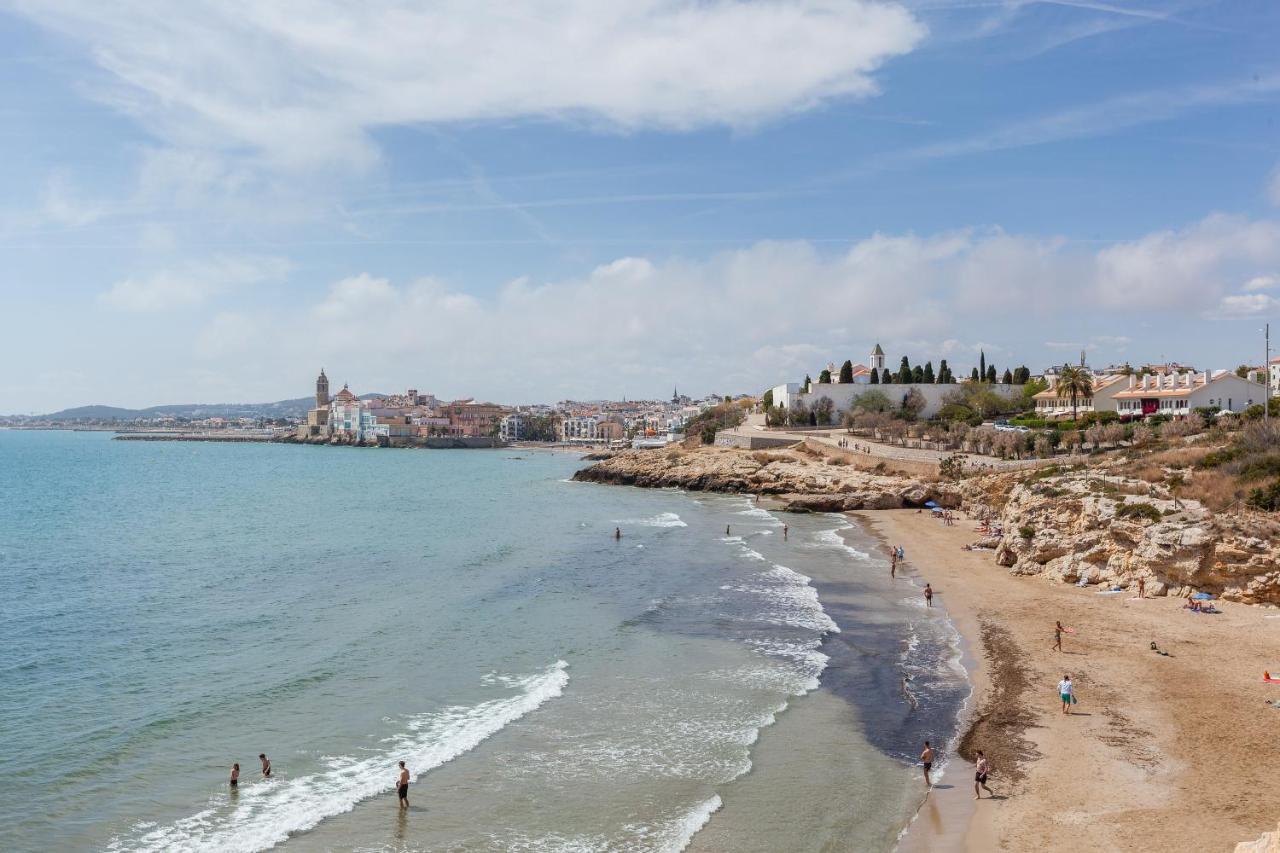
(322, 391)
(877, 359)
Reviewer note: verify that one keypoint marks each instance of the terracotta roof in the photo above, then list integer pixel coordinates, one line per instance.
(1099, 382)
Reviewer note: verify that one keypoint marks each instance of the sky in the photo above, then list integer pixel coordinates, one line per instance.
(528, 202)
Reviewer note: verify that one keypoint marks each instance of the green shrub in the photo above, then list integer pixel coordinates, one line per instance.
(1138, 510)
(1261, 467)
(1026, 532)
(1215, 458)
(1266, 499)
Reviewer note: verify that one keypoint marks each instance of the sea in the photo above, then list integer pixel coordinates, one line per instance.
(706, 682)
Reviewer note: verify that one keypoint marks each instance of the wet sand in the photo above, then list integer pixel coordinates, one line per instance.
(1163, 752)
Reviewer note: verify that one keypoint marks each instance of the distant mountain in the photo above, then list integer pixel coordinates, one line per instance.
(280, 409)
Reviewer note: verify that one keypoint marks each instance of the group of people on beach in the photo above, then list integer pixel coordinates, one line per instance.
(402, 778)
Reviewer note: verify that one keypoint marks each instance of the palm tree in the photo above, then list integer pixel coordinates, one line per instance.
(1074, 382)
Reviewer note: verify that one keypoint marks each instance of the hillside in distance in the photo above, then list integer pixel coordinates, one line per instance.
(296, 408)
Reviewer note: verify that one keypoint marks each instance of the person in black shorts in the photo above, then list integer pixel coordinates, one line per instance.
(235, 775)
(402, 786)
(926, 758)
(266, 765)
(980, 772)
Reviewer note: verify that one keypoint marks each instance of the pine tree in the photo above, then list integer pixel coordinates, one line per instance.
(1008, 376)
(929, 378)
(846, 372)
(904, 372)
(1022, 375)
(973, 377)
(875, 377)
(824, 378)
(886, 378)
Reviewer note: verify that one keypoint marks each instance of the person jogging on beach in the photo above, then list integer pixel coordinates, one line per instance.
(266, 765)
(235, 775)
(928, 595)
(402, 786)
(1057, 635)
(1067, 691)
(926, 758)
(980, 771)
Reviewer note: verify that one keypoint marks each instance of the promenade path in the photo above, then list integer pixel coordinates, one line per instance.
(832, 436)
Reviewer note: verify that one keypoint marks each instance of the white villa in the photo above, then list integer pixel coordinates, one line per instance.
(1168, 394)
(1050, 405)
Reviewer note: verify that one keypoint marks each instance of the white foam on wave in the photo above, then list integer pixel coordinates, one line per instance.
(832, 539)
(668, 836)
(763, 514)
(267, 813)
(662, 519)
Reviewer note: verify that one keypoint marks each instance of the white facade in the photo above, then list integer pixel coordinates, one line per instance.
(1050, 405)
(580, 429)
(843, 396)
(514, 427)
(1182, 393)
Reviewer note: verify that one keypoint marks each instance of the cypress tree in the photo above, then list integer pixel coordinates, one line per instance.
(973, 377)
(944, 372)
(917, 374)
(846, 372)
(982, 363)
(875, 377)
(808, 383)
(886, 378)
(1008, 376)
(991, 374)
(824, 378)
(904, 372)
(928, 377)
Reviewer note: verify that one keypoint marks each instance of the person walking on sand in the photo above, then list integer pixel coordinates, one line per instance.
(266, 765)
(926, 758)
(402, 786)
(1057, 636)
(902, 555)
(980, 771)
(1067, 692)
(1142, 587)
(235, 775)
(928, 595)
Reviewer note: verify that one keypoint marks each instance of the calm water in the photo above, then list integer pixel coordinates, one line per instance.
(169, 608)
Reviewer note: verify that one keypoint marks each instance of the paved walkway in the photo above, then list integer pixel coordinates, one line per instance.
(833, 435)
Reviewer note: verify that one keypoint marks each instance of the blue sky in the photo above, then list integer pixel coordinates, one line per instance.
(578, 198)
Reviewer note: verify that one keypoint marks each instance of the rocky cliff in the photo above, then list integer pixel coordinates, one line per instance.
(1269, 842)
(803, 482)
(1102, 527)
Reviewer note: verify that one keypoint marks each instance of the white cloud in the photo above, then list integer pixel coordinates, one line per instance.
(742, 319)
(1262, 282)
(306, 82)
(1245, 305)
(191, 284)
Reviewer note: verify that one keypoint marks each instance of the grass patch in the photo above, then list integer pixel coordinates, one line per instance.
(1139, 510)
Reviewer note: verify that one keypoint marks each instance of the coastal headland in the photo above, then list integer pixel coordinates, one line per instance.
(1163, 750)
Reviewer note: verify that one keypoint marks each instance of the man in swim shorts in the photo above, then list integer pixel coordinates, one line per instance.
(1067, 692)
(266, 765)
(980, 772)
(926, 758)
(928, 595)
(235, 775)
(402, 786)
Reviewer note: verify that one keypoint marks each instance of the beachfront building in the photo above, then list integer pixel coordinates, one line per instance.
(579, 430)
(468, 418)
(515, 426)
(1052, 403)
(1182, 393)
(344, 415)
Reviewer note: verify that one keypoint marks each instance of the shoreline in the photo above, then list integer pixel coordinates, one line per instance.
(1161, 751)
(944, 815)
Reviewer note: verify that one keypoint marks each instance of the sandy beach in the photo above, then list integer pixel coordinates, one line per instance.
(1163, 752)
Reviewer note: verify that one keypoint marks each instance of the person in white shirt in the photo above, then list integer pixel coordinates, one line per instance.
(1067, 692)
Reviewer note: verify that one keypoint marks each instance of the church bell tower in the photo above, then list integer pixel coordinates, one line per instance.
(322, 391)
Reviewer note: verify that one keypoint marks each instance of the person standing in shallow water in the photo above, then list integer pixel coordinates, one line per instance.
(617, 533)
(928, 595)
(402, 786)
(926, 758)
(235, 775)
(266, 765)
(726, 530)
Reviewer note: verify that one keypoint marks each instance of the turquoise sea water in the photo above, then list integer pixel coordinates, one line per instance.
(169, 608)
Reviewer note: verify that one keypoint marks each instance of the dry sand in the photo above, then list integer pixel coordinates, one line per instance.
(1163, 753)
